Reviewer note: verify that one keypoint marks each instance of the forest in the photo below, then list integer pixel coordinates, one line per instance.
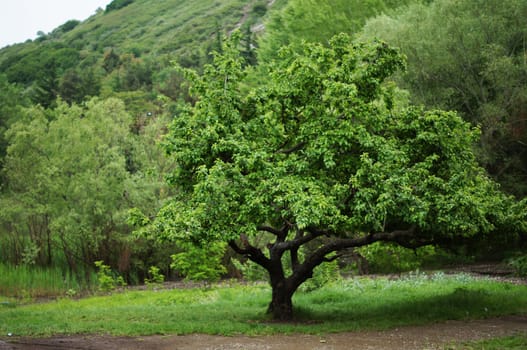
(290, 139)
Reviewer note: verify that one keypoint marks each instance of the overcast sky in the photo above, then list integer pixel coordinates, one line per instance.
(22, 19)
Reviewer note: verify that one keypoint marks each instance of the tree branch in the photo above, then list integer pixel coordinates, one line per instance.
(300, 240)
(277, 232)
(305, 269)
(295, 148)
(252, 253)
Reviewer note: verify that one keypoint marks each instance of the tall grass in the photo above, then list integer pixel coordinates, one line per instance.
(37, 282)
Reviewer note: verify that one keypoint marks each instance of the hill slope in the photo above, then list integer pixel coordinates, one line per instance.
(139, 36)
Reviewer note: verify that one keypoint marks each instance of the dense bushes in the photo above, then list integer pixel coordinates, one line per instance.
(118, 4)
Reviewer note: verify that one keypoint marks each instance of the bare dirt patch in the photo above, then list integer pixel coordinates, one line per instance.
(435, 336)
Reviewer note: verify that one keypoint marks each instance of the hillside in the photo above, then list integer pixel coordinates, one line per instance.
(134, 39)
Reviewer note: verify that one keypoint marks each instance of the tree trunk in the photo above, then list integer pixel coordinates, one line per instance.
(281, 306)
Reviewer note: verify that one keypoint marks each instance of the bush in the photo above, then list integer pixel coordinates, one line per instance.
(199, 263)
(388, 258)
(117, 4)
(156, 278)
(323, 275)
(519, 264)
(107, 280)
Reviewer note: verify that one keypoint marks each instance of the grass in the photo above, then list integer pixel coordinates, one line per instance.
(517, 342)
(29, 282)
(346, 305)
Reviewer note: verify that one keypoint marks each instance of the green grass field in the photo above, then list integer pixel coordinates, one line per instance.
(229, 309)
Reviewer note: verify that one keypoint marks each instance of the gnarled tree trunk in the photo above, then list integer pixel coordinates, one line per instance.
(281, 306)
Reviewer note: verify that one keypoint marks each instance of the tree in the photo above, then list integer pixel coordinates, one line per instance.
(320, 156)
(117, 4)
(68, 183)
(469, 56)
(12, 101)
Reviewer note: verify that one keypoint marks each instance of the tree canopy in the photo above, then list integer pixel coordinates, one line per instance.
(321, 158)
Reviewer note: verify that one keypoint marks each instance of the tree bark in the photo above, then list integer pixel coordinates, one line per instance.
(281, 306)
(283, 288)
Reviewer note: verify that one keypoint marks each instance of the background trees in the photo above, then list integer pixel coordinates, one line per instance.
(469, 56)
(72, 174)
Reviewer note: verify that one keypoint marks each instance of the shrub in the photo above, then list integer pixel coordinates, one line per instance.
(199, 263)
(519, 264)
(117, 4)
(106, 279)
(156, 278)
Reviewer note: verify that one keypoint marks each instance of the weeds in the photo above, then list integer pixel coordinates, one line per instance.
(27, 282)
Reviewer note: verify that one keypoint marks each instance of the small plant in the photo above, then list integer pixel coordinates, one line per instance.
(71, 293)
(105, 278)
(30, 254)
(519, 264)
(156, 277)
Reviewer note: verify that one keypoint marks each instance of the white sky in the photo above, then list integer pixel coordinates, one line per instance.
(22, 19)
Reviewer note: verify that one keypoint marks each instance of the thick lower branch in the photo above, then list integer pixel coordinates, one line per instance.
(252, 253)
(305, 270)
(299, 240)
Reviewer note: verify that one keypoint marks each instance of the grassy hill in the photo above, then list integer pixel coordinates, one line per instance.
(142, 38)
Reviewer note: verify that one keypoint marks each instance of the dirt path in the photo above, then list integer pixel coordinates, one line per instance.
(411, 338)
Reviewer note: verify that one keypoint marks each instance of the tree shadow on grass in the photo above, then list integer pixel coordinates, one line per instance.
(462, 303)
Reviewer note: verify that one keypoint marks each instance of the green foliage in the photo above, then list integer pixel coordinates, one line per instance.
(117, 4)
(317, 131)
(30, 254)
(389, 258)
(200, 263)
(12, 102)
(155, 277)
(323, 275)
(71, 179)
(469, 56)
(250, 271)
(106, 279)
(69, 25)
(319, 153)
(519, 264)
(316, 21)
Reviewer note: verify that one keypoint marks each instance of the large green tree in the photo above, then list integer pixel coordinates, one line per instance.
(470, 56)
(318, 155)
